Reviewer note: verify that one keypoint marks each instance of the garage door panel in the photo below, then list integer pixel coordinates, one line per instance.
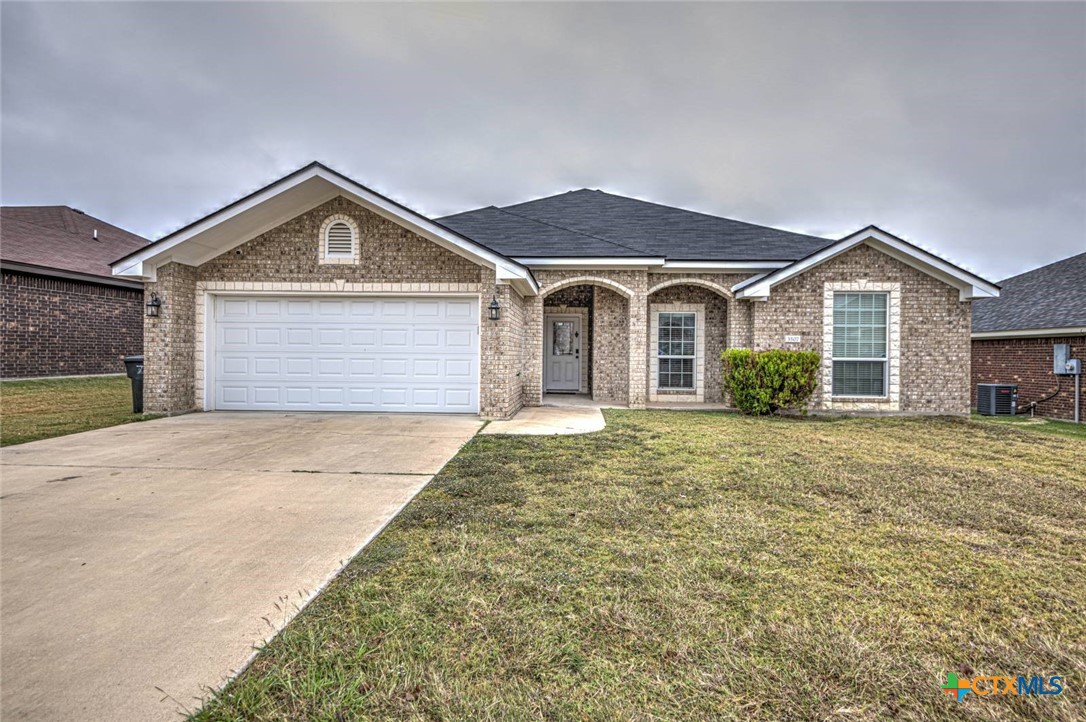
(460, 399)
(395, 337)
(350, 354)
(231, 394)
(234, 366)
(460, 310)
(235, 308)
(331, 367)
(267, 308)
(267, 336)
(264, 366)
(299, 308)
(460, 369)
(458, 339)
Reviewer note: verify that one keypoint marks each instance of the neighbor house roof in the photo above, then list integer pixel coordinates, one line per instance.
(1045, 300)
(591, 224)
(59, 238)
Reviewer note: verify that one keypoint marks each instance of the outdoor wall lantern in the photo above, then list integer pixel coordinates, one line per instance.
(154, 304)
(494, 309)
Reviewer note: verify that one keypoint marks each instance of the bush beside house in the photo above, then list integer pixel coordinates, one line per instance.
(767, 382)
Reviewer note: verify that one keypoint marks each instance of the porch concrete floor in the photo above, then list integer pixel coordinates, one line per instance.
(550, 421)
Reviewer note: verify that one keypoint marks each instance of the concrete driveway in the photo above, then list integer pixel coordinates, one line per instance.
(154, 556)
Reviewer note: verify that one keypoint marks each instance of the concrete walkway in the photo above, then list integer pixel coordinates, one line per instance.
(154, 556)
(549, 421)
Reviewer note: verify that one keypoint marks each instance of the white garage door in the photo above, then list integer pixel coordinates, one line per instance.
(346, 354)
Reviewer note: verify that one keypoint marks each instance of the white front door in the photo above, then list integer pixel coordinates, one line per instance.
(562, 353)
(345, 353)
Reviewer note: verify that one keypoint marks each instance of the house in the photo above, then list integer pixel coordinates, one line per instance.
(1013, 335)
(316, 293)
(64, 312)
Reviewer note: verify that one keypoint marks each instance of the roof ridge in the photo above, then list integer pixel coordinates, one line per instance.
(68, 214)
(707, 215)
(573, 230)
(1041, 268)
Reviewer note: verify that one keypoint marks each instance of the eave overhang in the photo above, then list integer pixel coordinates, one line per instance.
(288, 198)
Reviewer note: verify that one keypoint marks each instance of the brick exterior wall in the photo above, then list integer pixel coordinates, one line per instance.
(934, 324)
(60, 327)
(170, 342)
(935, 327)
(1028, 363)
(715, 331)
(610, 341)
(389, 252)
(393, 260)
(503, 357)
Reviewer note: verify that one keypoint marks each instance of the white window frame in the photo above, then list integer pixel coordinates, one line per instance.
(354, 257)
(884, 359)
(669, 393)
(891, 398)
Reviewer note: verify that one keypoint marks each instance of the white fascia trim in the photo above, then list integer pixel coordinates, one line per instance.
(969, 286)
(503, 267)
(723, 266)
(1032, 333)
(585, 263)
(135, 264)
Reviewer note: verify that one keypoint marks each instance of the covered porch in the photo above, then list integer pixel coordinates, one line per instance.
(627, 339)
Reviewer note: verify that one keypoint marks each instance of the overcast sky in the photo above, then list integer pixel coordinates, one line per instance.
(961, 127)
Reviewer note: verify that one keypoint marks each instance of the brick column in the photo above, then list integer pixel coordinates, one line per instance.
(169, 344)
(638, 339)
(533, 353)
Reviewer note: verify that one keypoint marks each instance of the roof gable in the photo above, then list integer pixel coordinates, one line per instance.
(969, 285)
(288, 198)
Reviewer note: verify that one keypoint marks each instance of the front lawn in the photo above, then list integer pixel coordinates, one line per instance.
(44, 408)
(706, 566)
(1037, 423)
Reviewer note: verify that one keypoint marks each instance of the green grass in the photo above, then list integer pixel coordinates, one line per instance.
(706, 566)
(44, 408)
(1044, 426)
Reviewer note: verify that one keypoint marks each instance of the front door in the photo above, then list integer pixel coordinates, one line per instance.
(562, 354)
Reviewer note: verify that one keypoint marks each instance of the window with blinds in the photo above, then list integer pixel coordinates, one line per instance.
(675, 350)
(859, 350)
(339, 241)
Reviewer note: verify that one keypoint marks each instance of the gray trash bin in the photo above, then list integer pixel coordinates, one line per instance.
(134, 366)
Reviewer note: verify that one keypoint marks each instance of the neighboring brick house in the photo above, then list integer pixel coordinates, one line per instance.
(1013, 336)
(63, 312)
(315, 293)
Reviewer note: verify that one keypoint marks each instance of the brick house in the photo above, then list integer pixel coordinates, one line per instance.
(64, 313)
(316, 293)
(1013, 335)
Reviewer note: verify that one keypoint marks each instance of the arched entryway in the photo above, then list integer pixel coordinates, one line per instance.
(687, 331)
(585, 340)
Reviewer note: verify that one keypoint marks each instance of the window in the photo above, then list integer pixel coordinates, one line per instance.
(675, 350)
(859, 344)
(339, 241)
(562, 343)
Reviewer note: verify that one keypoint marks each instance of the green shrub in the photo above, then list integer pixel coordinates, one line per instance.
(764, 382)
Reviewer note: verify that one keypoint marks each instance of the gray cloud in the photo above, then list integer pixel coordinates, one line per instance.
(959, 126)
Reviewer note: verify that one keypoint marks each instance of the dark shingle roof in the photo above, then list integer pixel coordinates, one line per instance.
(590, 223)
(62, 238)
(1053, 296)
